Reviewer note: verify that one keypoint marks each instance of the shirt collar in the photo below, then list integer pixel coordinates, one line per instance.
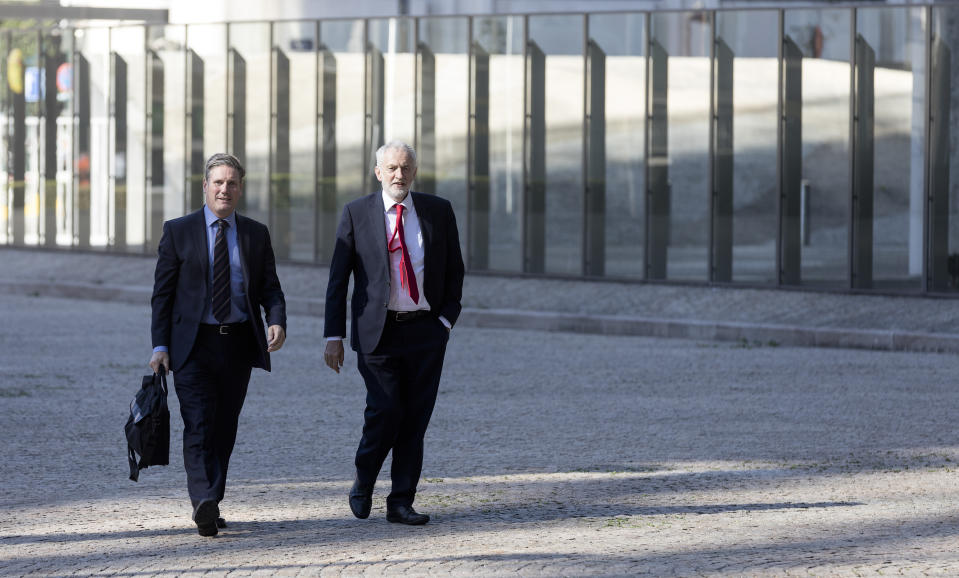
(211, 218)
(388, 202)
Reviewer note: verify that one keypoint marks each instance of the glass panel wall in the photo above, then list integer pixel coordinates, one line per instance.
(617, 43)
(59, 112)
(26, 97)
(96, 210)
(296, 96)
(745, 189)
(249, 105)
(635, 145)
(822, 38)
(128, 163)
(443, 113)
(943, 235)
(555, 221)
(498, 77)
(344, 40)
(168, 166)
(392, 47)
(679, 199)
(893, 41)
(207, 91)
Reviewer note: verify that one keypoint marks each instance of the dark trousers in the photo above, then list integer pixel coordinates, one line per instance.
(211, 387)
(402, 377)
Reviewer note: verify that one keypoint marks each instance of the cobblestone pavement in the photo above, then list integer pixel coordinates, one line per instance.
(549, 454)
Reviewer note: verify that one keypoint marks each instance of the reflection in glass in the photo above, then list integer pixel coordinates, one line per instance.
(498, 49)
(60, 165)
(621, 39)
(680, 221)
(93, 46)
(169, 163)
(129, 137)
(26, 140)
(344, 40)
(943, 238)
(249, 60)
(443, 113)
(822, 37)
(752, 72)
(206, 102)
(895, 38)
(560, 38)
(394, 41)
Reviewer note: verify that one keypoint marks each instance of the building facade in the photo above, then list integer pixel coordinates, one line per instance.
(785, 146)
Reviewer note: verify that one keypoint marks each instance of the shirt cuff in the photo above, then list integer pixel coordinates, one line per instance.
(160, 348)
(446, 322)
(335, 338)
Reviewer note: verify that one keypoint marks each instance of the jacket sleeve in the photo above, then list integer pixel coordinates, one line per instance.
(272, 298)
(455, 270)
(164, 288)
(341, 266)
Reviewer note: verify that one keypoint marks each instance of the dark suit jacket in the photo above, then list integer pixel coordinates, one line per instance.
(361, 250)
(181, 285)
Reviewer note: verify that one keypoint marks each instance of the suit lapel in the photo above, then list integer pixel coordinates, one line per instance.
(200, 240)
(378, 223)
(243, 240)
(426, 224)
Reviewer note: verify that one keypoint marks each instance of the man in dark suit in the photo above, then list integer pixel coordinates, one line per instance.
(215, 270)
(403, 250)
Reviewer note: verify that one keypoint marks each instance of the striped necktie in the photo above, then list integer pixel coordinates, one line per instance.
(221, 274)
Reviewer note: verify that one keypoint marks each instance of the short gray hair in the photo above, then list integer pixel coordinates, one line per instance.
(224, 160)
(395, 145)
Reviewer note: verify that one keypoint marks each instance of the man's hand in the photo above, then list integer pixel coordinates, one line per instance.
(276, 335)
(160, 358)
(334, 354)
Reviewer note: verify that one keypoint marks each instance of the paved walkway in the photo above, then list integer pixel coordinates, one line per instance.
(611, 308)
(550, 453)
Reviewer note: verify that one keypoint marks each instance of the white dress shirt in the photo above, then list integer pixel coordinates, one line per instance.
(400, 299)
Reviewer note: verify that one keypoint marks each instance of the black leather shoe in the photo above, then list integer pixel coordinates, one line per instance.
(220, 523)
(205, 516)
(406, 515)
(361, 501)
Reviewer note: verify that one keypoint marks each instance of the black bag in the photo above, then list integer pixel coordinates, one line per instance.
(148, 428)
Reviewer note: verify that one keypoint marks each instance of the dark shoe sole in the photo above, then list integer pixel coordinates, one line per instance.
(206, 517)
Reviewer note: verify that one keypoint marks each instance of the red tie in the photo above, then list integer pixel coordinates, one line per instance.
(407, 277)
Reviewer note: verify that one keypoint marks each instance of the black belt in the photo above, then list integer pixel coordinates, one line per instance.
(401, 316)
(225, 328)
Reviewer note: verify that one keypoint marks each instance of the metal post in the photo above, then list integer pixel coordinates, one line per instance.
(657, 197)
(535, 197)
(595, 155)
(862, 176)
(722, 165)
(790, 184)
(479, 185)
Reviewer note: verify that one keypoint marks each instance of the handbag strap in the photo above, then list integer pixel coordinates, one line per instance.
(162, 375)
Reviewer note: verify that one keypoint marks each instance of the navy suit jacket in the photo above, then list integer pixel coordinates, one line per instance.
(361, 251)
(181, 285)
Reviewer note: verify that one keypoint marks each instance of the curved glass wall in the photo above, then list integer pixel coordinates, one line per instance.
(772, 147)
